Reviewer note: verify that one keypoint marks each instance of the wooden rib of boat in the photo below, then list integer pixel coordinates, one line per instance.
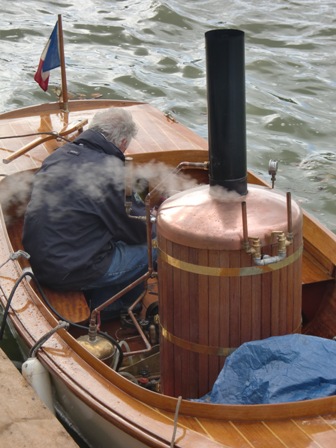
(109, 409)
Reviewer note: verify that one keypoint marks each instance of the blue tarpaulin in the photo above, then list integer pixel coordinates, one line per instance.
(278, 369)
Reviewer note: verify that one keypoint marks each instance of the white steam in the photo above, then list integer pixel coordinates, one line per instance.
(15, 192)
(163, 177)
(88, 180)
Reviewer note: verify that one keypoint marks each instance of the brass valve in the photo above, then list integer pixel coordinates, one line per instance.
(254, 248)
(283, 242)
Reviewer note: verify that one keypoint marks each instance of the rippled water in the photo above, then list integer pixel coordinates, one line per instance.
(154, 51)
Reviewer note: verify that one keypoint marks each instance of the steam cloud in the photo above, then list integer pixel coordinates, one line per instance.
(90, 180)
(163, 176)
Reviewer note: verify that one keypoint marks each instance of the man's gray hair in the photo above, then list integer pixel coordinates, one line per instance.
(116, 124)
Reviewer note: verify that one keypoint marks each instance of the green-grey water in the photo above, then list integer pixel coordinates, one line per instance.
(154, 51)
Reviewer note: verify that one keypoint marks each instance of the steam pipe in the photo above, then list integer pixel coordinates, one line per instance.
(132, 285)
(245, 231)
(289, 216)
(267, 259)
(128, 184)
(226, 109)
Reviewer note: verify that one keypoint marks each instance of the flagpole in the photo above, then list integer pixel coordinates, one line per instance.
(62, 60)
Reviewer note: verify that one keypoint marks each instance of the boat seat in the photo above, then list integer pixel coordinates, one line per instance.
(313, 271)
(70, 305)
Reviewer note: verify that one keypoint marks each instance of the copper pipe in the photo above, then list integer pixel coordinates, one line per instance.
(289, 216)
(149, 237)
(138, 327)
(95, 315)
(191, 165)
(132, 285)
(176, 170)
(128, 184)
(150, 218)
(245, 231)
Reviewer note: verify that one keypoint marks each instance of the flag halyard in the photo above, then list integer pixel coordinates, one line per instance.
(50, 59)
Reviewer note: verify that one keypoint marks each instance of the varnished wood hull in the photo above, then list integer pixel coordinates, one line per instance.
(112, 411)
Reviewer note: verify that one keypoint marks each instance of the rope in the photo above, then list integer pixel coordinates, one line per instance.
(178, 404)
(56, 134)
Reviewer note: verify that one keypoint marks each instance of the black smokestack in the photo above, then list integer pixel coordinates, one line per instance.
(226, 109)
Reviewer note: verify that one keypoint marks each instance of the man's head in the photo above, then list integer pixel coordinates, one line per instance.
(116, 124)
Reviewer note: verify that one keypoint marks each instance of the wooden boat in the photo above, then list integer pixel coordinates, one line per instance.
(106, 406)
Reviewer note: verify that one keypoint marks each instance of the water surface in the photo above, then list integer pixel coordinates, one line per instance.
(154, 51)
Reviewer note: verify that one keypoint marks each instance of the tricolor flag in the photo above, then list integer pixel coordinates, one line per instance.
(49, 60)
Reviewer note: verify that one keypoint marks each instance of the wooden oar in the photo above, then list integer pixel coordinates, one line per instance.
(72, 127)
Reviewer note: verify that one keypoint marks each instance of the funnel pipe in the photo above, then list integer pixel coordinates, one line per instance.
(226, 109)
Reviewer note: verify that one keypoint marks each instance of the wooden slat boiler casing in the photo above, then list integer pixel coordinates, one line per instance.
(212, 296)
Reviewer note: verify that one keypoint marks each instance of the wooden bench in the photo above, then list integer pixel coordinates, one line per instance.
(319, 257)
(313, 271)
(71, 305)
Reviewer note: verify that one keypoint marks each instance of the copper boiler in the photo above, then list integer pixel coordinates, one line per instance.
(212, 296)
(229, 261)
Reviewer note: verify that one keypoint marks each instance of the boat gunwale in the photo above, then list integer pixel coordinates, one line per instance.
(110, 378)
(225, 412)
(73, 106)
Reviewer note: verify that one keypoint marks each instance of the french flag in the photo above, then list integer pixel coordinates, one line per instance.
(50, 59)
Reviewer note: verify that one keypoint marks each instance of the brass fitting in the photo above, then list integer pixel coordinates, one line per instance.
(254, 248)
(283, 242)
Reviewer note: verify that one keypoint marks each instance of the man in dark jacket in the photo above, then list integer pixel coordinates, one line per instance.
(76, 228)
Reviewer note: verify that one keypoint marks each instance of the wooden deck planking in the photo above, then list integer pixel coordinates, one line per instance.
(227, 433)
(312, 432)
(258, 435)
(299, 433)
(163, 134)
(292, 434)
(317, 429)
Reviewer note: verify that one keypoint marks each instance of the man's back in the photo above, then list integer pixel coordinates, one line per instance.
(76, 213)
